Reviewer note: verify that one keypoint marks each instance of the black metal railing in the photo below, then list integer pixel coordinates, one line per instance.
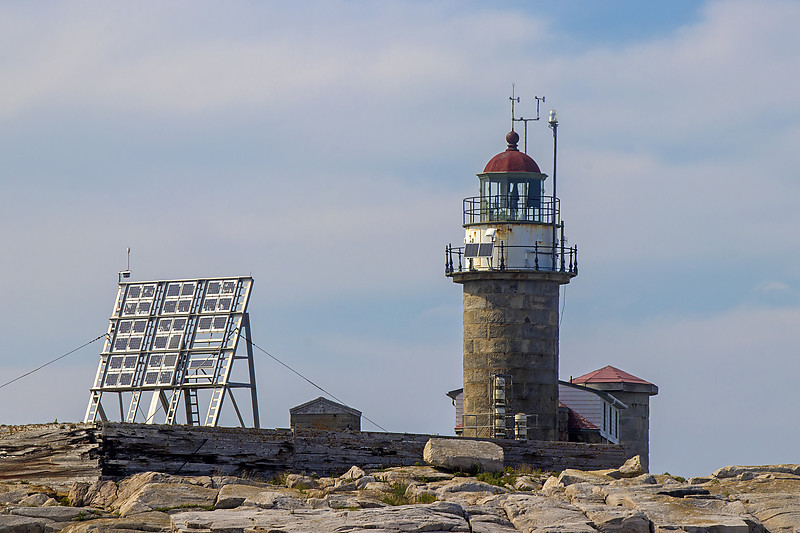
(544, 258)
(511, 208)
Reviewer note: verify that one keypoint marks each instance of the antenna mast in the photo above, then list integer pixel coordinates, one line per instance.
(515, 99)
(127, 272)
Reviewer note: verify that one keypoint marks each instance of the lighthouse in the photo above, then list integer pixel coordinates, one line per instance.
(512, 263)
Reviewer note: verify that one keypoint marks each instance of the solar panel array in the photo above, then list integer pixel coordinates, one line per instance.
(173, 335)
(483, 249)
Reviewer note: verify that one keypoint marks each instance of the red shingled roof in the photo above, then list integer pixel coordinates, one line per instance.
(609, 374)
(577, 421)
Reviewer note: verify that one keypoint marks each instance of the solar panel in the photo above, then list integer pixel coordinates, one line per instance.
(478, 249)
(195, 322)
(485, 249)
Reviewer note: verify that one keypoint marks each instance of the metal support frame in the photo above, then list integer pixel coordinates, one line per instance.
(173, 339)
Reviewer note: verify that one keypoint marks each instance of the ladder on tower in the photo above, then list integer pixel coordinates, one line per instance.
(95, 408)
(173, 406)
(133, 407)
(94, 401)
(176, 392)
(214, 406)
(192, 408)
(218, 394)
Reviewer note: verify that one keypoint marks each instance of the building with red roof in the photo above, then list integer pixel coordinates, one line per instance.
(634, 392)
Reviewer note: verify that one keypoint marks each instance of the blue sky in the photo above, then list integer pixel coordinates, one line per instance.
(325, 149)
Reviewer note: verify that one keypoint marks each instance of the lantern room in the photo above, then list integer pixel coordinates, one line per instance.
(511, 188)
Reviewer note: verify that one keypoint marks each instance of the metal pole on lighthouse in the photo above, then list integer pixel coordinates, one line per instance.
(553, 121)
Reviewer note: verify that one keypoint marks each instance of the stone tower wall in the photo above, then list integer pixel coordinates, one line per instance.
(511, 327)
(634, 423)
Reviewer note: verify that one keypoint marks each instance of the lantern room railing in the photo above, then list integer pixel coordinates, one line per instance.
(536, 258)
(511, 208)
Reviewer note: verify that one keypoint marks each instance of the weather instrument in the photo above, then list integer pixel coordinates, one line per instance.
(175, 341)
(515, 99)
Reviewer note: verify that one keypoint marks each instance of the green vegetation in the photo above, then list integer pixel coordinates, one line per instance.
(426, 498)
(185, 506)
(507, 477)
(398, 494)
(676, 478)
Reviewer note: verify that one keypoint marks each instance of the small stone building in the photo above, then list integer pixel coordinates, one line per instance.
(324, 414)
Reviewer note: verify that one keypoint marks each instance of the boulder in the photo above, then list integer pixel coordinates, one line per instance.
(36, 499)
(354, 473)
(24, 524)
(584, 493)
(14, 496)
(464, 455)
(417, 493)
(231, 496)
(77, 493)
(570, 476)
(55, 514)
(468, 485)
(633, 467)
(680, 513)
(101, 494)
(165, 496)
(735, 471)
(364, 481)
(438, 516)
(551, 485)
(539, 513)
(301, 482)
(613, 520)
(154, 521)
(778, 512)
(272, 500)
(526, 483)
(412, 473)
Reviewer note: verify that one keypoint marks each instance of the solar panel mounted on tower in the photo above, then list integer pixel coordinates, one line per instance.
(175, 340)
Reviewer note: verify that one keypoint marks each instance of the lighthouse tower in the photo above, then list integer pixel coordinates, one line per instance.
(512, 263)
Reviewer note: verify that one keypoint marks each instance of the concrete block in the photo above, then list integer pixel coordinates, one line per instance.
(464, 454)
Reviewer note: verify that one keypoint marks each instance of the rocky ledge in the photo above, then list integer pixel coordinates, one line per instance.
(736, 499)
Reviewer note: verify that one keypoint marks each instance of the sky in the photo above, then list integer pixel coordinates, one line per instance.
(325, 147)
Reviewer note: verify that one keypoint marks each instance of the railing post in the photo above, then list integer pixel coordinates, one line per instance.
(502, 256)
(459, 259)
(446, 270)
(536, 256)
(576, 259)
(570, 260)
(562, 246)
(451, 258)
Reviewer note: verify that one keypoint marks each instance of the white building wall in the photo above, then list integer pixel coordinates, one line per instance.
(591, 406)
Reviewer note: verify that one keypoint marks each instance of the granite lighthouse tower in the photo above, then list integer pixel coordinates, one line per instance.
(511, 266)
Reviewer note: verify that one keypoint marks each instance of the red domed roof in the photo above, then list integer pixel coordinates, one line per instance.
(512, 160)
